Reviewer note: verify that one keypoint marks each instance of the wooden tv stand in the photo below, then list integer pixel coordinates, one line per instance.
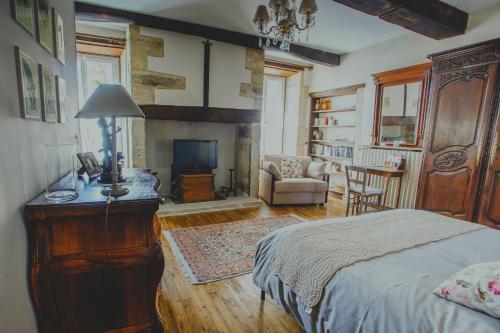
(195, 187)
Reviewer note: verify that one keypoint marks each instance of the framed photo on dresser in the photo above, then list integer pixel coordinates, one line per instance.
(23, 12)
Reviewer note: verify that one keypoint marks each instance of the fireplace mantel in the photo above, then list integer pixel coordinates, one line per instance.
(200, 114)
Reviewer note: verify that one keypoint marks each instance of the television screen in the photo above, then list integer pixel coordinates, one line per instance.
(195, 154)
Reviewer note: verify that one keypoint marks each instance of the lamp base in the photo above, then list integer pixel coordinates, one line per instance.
(115, 191)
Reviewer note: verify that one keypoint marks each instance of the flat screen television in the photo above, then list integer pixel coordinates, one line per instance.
(195, 154)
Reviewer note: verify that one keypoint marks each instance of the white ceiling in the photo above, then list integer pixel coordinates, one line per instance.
(338, 28)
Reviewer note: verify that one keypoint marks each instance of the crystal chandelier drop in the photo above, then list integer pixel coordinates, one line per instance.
(281, 25)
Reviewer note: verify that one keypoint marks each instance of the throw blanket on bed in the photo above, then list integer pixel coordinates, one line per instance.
(308, 257)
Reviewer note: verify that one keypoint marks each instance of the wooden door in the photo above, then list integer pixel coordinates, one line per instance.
(453, 154)
(490, 202)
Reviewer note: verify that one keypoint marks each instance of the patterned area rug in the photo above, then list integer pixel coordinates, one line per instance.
(220, 251)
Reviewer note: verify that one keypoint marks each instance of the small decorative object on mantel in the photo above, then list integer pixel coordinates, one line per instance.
(90, 164)
(29, 88)
(395, 161)
(23, 12)
(60, 161)
(44, 22)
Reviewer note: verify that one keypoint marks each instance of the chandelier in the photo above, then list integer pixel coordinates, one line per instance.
(283, 27)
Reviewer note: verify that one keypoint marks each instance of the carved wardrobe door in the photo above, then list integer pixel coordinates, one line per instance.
(490, 202)
(455, 146)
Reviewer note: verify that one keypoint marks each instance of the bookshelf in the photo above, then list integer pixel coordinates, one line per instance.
(334, 129)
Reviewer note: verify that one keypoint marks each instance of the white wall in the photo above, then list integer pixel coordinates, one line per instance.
(184, 56)
(291, 117)
(407, 50)
(21, 167)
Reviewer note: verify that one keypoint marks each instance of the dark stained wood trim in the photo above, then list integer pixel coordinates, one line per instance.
(431, 18)
(417, 73)
(89, 12)
(285, 65)
(200, 114)
(101, 41)
(349, 90)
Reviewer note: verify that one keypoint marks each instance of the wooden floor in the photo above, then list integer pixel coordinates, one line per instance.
(231, 305)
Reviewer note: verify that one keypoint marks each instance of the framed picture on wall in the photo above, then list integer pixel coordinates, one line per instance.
(44, 23)
(23, 12)
(48, 94)
(58, 28)
(62, 100)
(29, 88)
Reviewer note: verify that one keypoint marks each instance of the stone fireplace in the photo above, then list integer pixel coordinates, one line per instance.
(166, 74)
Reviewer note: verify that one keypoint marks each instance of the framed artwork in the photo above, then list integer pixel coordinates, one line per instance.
(90, 164)
(62, 100)
(44, 23)
(29, 88)
(58, 27)
(23, 12)
(48, 93)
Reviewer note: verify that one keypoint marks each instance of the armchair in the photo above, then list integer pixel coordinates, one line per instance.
(305, 190)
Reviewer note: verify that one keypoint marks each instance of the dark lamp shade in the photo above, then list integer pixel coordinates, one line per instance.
(110, 100)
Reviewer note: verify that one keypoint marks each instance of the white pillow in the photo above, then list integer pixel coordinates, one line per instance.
(291, 168)
(476, 287)
(272, 168)
(316, 170)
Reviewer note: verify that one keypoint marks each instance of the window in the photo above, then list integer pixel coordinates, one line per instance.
(94, 70)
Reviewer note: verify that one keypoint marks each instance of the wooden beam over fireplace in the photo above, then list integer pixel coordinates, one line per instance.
(431, 18)
(200, 114)
(89, 12)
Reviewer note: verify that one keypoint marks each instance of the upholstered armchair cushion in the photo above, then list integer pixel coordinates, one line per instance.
(300, 185)
(316, 170)
(273, 169)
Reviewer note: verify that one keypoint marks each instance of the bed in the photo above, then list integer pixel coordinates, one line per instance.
(390, 293)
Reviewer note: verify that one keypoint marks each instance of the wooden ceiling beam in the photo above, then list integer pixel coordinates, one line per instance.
(431, 18)
(95, 13)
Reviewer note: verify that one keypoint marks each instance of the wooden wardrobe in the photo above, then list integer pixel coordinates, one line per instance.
(460, 173)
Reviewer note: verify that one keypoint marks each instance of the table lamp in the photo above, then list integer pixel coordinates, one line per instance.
(111, 101)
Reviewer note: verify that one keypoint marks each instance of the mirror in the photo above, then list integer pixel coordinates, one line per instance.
(400, 106)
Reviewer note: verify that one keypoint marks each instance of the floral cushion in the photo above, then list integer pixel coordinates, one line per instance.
(476, 286)
(291, 168)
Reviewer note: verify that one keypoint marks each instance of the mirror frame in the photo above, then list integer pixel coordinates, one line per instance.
(417, 73)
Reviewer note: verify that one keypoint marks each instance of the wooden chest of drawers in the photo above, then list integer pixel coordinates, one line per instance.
(196, 187)
(95, 268)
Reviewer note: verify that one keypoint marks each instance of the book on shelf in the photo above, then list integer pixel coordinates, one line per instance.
(332, 151)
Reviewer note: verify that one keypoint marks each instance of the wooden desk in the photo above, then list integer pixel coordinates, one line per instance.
(92, 274)
(388, 174)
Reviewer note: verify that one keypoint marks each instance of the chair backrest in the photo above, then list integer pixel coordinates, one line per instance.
(350, 169)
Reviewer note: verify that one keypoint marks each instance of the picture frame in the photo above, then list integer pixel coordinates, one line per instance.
(43, 14)
(23, 12)
(48, 94)
(29, 85)
(62, 100)
(90, 164)
(58, 29)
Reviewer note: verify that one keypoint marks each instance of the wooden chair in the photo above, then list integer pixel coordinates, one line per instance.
(362, 194)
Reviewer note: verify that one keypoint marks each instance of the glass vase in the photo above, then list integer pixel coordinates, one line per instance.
(60, 172)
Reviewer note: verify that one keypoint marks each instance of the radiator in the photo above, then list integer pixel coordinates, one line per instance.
(377, 156)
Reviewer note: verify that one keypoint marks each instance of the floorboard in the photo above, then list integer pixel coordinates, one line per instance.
(231, 305)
